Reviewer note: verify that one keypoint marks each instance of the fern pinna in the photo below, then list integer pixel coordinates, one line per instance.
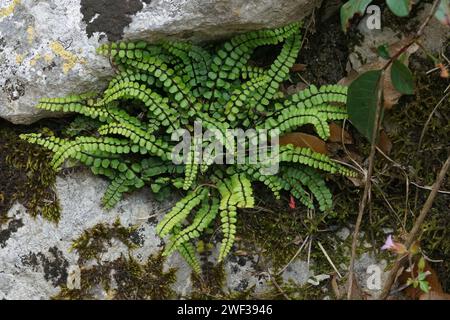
(161, 88)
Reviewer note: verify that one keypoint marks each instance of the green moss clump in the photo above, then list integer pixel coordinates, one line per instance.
(26, 177)
(209, 285)
(93, 242)
(422, 164)
(148, 281)
(133, 281)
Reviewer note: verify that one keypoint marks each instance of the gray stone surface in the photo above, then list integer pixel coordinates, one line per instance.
(36, 258)
(47, 48)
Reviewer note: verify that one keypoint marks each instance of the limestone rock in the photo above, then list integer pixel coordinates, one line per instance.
(35, 255)
(47, 48)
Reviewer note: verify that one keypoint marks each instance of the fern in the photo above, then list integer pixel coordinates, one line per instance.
(160, 88)
(202, 219)
(180, 211)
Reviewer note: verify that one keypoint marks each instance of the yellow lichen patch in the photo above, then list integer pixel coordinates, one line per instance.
(35, 60)
(48, 57)
(70, 60)
(30, 34)
(19, 58)
(9, 9)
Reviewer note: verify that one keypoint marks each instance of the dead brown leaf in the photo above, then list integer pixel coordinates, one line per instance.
(435, 284)
(384, 143)
(336, 134)
(298, 67)
(444, 71)
(391, 95)
(303, 140)
(293, 89)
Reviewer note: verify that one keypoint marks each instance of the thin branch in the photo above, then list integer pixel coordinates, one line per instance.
(425, 127)
(329, 259)
(429, 188)
(413, 234)
(368, 183)
(295, 255)
(367, 187)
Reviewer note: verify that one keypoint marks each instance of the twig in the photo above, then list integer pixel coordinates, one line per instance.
(425, 127)
(412, 236)
(429, 188)
(275, 283)
(329, 259)
(368, 183)
(367, 187)
(295, 255)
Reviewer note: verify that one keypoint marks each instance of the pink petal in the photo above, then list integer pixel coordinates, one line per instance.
(389, 244)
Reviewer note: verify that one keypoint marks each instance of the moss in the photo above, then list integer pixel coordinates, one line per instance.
(26, 177)
(94, 241)
(283, 290)
(132, 280)
(124, 278)
(210, 283)
(277, 233)
(148, 281)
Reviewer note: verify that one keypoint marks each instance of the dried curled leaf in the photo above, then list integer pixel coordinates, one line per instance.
(303, 140)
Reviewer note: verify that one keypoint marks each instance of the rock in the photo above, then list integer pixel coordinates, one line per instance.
(35, 255)
(47, 48)
(297, 272)
(343, 233)
(371, 275)
(35, 259)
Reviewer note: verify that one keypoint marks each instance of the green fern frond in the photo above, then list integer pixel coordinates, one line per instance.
(181, 210)
(326, 94)
(228, 214)
(205, 215)
(252, 72)
(150, 142)
(242, 191)
(274, 183)
(235, 53)
(156, 104)
(172, 85)
(278, 72)
(308, 177)
(121, 183)
(196, 62)
(187, 251)
(192, 164)
(307, 157)
(239, 105)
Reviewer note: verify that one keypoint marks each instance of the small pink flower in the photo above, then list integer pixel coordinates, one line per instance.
(292, 203)
(391, 245)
